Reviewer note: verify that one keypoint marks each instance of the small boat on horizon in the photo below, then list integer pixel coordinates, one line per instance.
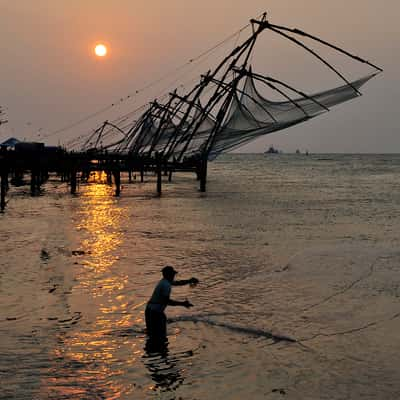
(271, 150)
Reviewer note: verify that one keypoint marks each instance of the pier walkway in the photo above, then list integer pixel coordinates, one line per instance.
(71, 166)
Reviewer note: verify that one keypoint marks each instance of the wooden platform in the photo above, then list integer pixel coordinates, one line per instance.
(68, 166)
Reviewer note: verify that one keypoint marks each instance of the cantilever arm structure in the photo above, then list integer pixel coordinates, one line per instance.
(225, 109)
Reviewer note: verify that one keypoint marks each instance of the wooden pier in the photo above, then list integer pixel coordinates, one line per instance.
(69, 166)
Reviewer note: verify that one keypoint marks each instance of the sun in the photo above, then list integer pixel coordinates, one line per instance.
(100, 50)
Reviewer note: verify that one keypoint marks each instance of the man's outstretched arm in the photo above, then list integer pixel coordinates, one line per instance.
(185, 303)
(191, 281)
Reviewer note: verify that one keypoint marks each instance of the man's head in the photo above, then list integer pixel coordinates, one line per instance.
(169, 273)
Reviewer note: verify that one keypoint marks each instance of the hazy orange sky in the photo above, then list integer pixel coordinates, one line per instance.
(50, 78)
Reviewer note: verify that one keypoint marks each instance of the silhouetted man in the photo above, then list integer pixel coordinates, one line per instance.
(156, 321)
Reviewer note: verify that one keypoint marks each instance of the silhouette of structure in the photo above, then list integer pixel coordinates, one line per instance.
(224, 110)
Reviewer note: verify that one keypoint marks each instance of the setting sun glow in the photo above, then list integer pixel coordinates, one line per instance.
(100, 50)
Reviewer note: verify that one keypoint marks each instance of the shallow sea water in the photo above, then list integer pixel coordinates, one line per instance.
(298, 259)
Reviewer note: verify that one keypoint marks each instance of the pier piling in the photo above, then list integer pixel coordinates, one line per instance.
(73, 182)
(3, 184)
(159, 174)
(203, 175)
(141, 174)
(117, 179)
(109, 177)
(35, 181)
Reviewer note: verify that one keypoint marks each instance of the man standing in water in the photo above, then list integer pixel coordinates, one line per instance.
(156, 321)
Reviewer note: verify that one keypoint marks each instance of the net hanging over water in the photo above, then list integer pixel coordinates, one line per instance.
(251, 115)
(226, 108)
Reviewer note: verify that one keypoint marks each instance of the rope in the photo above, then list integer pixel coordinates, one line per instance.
(146, 87)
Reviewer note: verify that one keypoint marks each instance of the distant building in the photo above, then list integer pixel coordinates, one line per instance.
(10, 143)
(29, 147)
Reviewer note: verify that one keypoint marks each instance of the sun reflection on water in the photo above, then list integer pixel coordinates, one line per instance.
(101, 221)
(92, 356)
(96, 354)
